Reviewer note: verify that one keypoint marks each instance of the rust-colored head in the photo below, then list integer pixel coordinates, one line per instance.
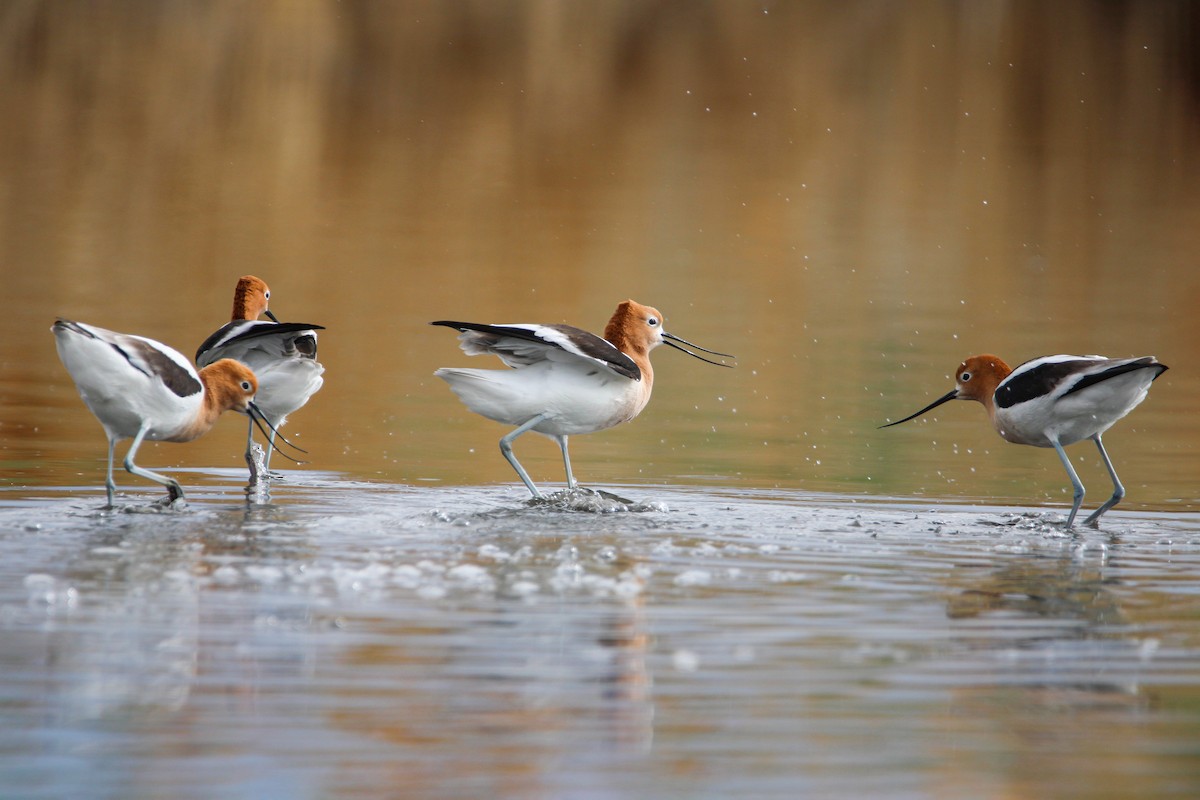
(636, 329)
(975, 379)
(978, 377)
(250, 299)
(229, 385)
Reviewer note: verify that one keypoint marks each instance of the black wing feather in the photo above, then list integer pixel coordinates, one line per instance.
(254, 333)
(1032, 383)
(587, 344)
(1114, 371)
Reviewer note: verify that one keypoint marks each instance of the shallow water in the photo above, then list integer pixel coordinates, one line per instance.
(353, 637)
(850, 196)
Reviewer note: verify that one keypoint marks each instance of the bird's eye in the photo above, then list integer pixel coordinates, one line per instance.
(267, 294)
(964, 376)
(245, 386)
(652, 321)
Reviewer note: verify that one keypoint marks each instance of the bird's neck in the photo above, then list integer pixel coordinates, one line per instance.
(216, 397)
(987, 399)
(246, 304)
(614, 334)
(643, 363)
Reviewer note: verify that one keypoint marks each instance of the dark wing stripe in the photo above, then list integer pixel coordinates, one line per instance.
(496, 330)
(1034, 383)
(1114, 371)
(586, 344)
(592, 346)
(140, 355)
(217, 339)
(162, 366)
(74, 327)
(211, 342)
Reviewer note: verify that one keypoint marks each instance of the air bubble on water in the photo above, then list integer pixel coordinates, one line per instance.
(431, 592)
(685, 660)
(226, 574)
(693, 577)
(264, 574)
(523, 588)
(491, 551)
(471, 576)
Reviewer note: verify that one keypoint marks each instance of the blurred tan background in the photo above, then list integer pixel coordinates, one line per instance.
(851, 196)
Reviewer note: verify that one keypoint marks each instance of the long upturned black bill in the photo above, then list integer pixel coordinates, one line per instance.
(670, 339)
(259, 420)
(952, 394)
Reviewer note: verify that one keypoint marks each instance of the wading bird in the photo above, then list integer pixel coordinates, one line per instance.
(1055, 401)
(141, 389)
(563, 380)
(282, 354)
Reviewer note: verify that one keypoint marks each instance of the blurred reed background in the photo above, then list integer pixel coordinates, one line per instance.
(851, 196)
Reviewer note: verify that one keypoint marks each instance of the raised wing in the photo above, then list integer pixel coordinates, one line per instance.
(147, 356)
(519, 345)
(243, 333)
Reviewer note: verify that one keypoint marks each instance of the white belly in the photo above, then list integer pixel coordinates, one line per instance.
(577, 399)
(1073, 417)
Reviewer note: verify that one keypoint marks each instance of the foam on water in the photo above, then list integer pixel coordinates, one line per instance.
(378, 624)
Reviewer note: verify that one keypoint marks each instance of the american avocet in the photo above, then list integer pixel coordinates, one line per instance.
(1055, 401)
(282, 354)
(141, 389)
(564, 380)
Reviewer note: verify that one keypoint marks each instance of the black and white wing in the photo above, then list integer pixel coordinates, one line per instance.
(520, 345)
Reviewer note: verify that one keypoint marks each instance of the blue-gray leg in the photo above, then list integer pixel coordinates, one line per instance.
(562, 444)
(1075, 482)
(270, 449)
(109, 483)
(1118, 489)
(507, 451)
(174, 490)
(250, 462)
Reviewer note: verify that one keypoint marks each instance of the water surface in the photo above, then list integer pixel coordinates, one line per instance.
(850, 196)
(354, 637)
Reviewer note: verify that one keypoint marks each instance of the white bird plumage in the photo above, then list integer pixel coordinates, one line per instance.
(564, 380)
(1055, 401)
(282, 355)
(141, 389)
